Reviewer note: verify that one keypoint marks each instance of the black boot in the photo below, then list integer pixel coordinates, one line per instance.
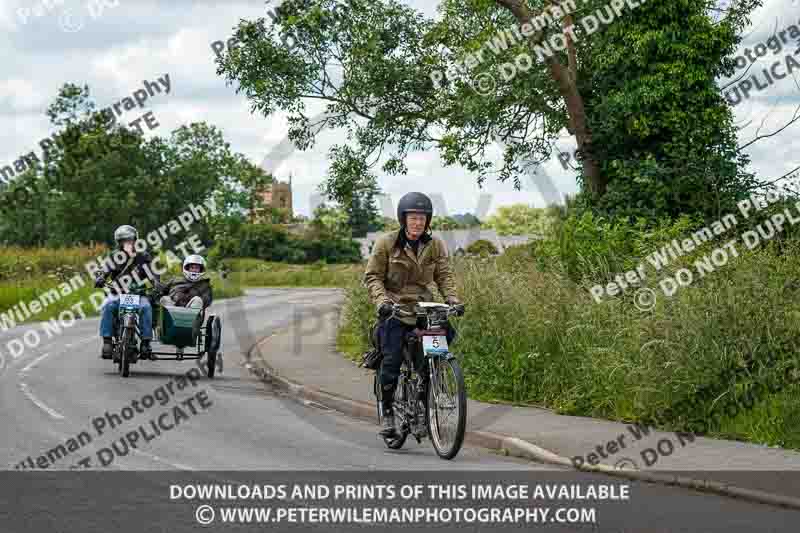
(107, 348)
(145, 350)
(388, 430)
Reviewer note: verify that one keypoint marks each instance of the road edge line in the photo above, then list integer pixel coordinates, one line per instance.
(512, 445)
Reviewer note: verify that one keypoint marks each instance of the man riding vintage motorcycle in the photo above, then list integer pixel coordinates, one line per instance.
(400, 270)
(137, 265)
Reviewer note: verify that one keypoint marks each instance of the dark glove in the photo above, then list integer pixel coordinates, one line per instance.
(457, 305)
(99, 281)
(385, 309)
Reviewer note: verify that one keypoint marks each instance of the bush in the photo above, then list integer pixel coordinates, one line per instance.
(275, 243)
(588, 247)
(482, 247)
(537, 337)
(358, 317)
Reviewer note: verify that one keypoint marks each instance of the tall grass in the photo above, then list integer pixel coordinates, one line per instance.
(257, 273)
(533, 335)
(358, 316)
(28, 273)
(22, 263)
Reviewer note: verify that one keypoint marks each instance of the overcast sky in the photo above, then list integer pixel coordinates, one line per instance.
(145, 39)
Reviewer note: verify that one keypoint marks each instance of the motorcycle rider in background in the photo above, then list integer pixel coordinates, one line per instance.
(138, 265)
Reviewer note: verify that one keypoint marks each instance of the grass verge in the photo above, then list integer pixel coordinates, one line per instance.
(534, 337)
(247, 272)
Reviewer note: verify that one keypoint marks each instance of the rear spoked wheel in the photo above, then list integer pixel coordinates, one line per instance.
(447, 407)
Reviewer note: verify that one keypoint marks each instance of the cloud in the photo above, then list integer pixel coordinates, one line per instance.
(143, 39)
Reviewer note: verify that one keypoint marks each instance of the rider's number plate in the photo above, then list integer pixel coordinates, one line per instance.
(434, 344)
(131, 300)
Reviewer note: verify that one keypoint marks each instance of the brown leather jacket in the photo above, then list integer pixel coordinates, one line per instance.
(398, 275)
(182, 290)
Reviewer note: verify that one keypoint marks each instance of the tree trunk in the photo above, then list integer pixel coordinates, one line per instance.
(566, 77)
(577, 121)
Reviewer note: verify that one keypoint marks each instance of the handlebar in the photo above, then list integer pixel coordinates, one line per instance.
(141, 290)
(398, 310)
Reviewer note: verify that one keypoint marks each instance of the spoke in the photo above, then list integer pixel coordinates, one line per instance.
(451, 404)
(447, 417)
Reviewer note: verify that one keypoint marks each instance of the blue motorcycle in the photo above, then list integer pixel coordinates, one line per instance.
(127, 334)
(179, 327)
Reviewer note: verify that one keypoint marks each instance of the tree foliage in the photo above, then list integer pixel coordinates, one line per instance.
(639, 95)
(520, 219)
(100, 176)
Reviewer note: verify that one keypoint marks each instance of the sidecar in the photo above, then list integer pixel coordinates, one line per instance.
(187, 328)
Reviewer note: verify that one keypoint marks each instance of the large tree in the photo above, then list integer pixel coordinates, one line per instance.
(101, 175)
(356, 189)
(637, 93)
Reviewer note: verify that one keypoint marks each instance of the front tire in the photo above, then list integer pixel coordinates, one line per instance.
(124, 365)
(211, 364)
(212, 344)
(447, 404)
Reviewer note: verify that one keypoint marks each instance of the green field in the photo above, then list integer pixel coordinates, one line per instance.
(247, 272)
(28, 274)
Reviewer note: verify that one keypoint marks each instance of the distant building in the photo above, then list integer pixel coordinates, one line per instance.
(279, 196)
(458, 240)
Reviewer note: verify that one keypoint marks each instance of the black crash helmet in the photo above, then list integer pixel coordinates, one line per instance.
(414, 201)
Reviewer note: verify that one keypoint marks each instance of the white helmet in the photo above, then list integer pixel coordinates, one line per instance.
(194, 260)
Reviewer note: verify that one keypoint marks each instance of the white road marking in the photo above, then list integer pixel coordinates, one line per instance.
(55, 414)
(33, 363)
(160, 460)
(25, 390)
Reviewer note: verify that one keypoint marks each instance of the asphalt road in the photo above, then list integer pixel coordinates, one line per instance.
(61, 390)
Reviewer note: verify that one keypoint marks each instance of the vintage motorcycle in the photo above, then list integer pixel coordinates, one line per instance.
(430, 398)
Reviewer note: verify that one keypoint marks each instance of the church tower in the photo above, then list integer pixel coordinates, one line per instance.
(279, 195)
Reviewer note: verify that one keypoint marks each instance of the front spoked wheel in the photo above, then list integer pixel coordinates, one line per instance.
(447, 407)
(124, 364)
